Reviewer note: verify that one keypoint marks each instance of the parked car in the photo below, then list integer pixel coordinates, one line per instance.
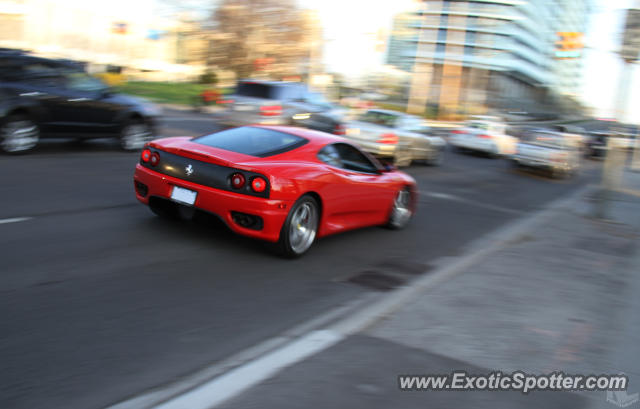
(575, 134)
(284, 185)
(321, 116)
(42, 98)
(277, 103)
(485, 134)
(395, 136)
(548, 150)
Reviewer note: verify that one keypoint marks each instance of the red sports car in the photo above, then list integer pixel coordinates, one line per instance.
(280, 184)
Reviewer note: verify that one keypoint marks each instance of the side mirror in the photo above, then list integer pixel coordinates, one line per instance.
(106, 92)
(388, 167)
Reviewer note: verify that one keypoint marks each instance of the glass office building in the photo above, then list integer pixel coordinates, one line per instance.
(472, 54)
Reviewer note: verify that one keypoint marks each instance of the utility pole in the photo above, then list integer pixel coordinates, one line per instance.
(630, 53)
(613, 167)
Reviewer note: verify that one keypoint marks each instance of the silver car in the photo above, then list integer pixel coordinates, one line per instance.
(548, 150)
(396, 136)
(275, 103)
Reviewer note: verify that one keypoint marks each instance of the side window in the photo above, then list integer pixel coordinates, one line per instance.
(345, 156)
(413, 125)
(289, 92)
(39, 70)
(330, 156)
(80, 81)
(354, 160)
(10, 70)
(40, 74)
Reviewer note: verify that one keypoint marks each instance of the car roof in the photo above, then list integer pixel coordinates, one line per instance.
(270, 82)
(20, 57)
(387, 111)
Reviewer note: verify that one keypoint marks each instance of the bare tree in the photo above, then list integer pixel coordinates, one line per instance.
(260, 36)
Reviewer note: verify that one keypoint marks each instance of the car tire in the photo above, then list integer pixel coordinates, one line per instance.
(134, 134)
(558, 173)
(402, 159)
(300, 228)
(436, 160)
(401, 209)
(18, 134)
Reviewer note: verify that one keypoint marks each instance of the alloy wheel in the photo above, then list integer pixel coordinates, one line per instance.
(303, 226)
(19, 135)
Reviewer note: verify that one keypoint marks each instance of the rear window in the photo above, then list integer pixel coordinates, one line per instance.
(250, 89)
(252, 141)
(379, 118)
(269, 91)
(478, 125)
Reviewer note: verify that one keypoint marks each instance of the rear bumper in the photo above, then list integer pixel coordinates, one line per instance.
(540, 163)
(475, 144)
(218, 202)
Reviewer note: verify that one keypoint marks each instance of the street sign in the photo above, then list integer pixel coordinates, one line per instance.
(569, 45)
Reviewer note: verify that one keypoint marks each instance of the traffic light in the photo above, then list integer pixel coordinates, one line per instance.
(569, 45)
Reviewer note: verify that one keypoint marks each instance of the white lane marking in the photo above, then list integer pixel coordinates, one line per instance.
(165, 393)
(15, 220)
(438, 195)
(446, 196)
(232, 383)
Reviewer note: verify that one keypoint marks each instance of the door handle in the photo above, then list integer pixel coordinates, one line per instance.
(78, 99)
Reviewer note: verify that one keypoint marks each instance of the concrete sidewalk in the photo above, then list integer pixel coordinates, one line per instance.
(561, 297)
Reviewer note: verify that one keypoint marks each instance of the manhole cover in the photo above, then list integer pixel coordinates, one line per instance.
(376, 280)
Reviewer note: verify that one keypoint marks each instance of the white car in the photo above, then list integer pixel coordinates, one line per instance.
(484, 135)
(552, 151)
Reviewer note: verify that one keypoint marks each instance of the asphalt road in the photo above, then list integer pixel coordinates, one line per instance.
(100, 300)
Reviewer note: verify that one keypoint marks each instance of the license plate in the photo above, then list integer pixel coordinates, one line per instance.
(243, 107)
(182, 195)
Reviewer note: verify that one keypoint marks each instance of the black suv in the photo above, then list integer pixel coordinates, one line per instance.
(42, 97)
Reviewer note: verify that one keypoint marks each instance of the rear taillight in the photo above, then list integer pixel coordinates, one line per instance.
(154, 159)
(146, 155)
(340, 130)
(237, 180)
(484, 136)
(559, 157)
(458, 132)
(258, 184)
(270, 110)
(388, 138)
(225, 101)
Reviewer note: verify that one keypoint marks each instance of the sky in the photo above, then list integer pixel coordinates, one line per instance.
(350, 28)
(603, 68)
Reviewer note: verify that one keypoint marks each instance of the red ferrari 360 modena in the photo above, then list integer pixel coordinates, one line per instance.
(280, 184)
